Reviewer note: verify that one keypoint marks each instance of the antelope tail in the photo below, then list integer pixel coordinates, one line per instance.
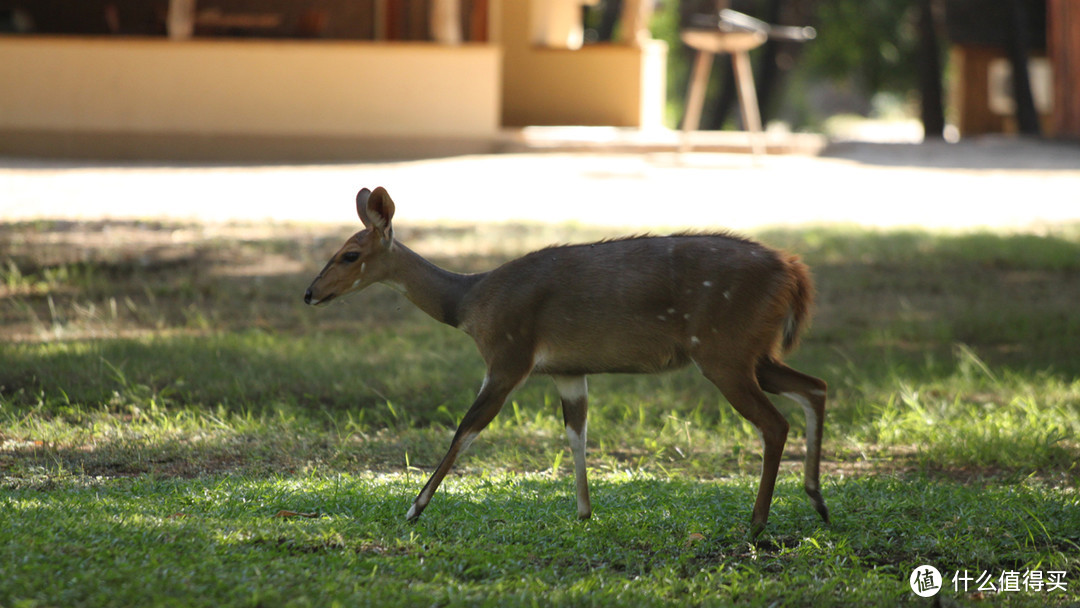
(801, 301)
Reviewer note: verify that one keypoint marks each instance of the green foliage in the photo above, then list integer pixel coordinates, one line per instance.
(665, 26)
(872, 42)
(865, 47)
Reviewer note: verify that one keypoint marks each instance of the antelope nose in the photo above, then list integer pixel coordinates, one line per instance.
(307, 296)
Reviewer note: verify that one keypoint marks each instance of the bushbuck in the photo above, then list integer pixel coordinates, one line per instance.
(641, 304)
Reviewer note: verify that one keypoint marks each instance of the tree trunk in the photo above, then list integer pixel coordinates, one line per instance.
(932, 112)
(1027, 119)
(768, 71)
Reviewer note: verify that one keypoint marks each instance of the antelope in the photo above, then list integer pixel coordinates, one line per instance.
(641, 304)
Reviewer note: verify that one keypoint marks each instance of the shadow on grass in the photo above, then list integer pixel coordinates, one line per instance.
(220, 330)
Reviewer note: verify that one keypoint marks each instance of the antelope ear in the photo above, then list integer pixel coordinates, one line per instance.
(376, 209)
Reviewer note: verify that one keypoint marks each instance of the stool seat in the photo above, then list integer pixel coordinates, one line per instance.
(736, 34)
(720, 41)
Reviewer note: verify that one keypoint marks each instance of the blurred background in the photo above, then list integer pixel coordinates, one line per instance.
(314, 80)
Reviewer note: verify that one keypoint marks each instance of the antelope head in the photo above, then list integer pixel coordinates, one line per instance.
(364, 258)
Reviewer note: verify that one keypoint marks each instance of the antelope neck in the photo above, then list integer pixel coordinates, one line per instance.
(436, 291)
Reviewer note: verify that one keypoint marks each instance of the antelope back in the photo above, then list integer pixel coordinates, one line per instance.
(640, 304)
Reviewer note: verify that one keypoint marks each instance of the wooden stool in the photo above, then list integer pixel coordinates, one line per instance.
(737, 40)
(737, 34)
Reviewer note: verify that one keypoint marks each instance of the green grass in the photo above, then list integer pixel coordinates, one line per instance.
(164, 396)
(506, 538)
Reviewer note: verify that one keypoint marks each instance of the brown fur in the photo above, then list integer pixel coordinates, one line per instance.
(639, 304)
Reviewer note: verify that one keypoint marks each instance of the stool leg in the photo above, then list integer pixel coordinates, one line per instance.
(699, 82)
(744, 81)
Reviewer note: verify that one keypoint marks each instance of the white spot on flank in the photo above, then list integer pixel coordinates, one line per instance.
(671, 311)
(727, 294)
(686, 316)
(363, 265)
(661, 317)
(509, 336)
(694, 341)
(707, 283)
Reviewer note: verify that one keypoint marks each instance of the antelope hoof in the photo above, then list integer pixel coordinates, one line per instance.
(414, 513)
(818, 502)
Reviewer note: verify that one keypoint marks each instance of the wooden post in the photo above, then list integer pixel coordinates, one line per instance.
(932, 108)
(180, 19)
(695, 97)
(748, 103)
(1027, 119)
(1063, 42)
(444, 21)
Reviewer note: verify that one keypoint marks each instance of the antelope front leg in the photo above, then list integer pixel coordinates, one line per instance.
(574, 391)
(492, 396)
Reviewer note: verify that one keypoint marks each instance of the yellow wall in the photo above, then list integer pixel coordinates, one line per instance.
(262, 89)
(601, 84)
(206, 99)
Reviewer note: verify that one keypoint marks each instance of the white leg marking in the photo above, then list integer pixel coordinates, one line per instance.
(425, 495)
(577, 446)
(571, 388)
(811, 424)
(466, 441)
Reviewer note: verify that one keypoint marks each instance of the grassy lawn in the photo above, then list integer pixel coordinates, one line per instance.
(177, 428)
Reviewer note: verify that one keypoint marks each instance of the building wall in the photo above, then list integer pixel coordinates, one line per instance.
(598, 84)
(212, 98)
(140, 87)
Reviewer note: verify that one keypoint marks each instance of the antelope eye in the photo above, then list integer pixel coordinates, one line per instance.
(350, 256)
